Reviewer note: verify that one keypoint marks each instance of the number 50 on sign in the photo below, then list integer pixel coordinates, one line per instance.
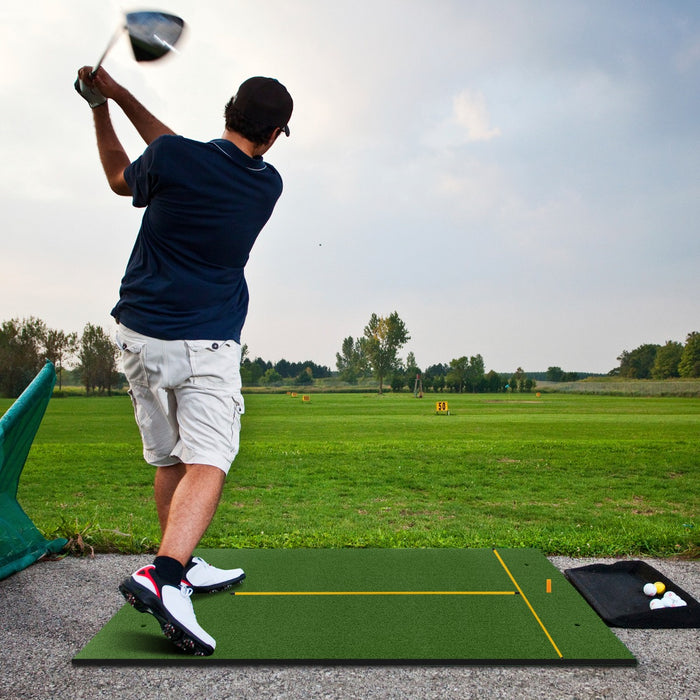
(442, 408)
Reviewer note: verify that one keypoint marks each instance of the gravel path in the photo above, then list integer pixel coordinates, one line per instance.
(49, 611)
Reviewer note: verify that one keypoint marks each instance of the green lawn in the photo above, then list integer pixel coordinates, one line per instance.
(568, 474)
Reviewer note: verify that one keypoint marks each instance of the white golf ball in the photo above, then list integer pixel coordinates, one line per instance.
(649, 589)
(656, 604)
(671, 600)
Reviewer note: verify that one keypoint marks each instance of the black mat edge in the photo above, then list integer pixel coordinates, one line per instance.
(198, 661)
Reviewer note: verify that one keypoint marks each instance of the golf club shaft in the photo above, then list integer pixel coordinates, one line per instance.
(112, 41)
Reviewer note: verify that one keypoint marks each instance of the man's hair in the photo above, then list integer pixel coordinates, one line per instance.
(235, 121)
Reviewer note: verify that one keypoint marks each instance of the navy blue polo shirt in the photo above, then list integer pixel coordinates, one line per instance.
(205, 206)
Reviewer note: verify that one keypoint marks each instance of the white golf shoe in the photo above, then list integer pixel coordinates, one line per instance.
(172, 607)
(205, 578)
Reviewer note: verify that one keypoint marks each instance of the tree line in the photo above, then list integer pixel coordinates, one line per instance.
(91, 359)
(259, 372)
(375, 353)
(650, 361)
(26, 345)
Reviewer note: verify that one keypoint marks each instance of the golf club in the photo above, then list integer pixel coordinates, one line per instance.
(152, 35)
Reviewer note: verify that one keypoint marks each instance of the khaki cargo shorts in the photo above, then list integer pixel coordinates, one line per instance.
(187, 398)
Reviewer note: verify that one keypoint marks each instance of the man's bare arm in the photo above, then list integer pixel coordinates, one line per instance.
(148, 126)
(112, 154)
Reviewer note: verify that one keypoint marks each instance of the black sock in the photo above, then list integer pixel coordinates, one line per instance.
(169, 571)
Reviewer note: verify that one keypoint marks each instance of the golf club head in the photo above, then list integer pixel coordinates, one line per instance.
(153, 34)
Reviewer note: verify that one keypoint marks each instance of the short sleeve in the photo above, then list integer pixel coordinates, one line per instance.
(142, 176)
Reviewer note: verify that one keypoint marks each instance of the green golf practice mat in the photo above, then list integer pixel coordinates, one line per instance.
(476, 606)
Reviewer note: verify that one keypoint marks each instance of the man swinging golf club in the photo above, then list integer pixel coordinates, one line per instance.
(182, 304)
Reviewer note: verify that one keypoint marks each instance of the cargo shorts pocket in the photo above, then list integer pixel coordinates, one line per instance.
(215, 364)
(238, 404)
(133, 359)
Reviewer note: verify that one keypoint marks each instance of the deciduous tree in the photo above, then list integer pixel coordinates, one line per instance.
(21, 353)
(518, 380)
(638, 363)
(351, 362)
(475, 373)
(384, 337)
(689, 365)
(98, 359)
(59, 347)
(457, 375)
(667, 359)
(555, 374)
(493, 382)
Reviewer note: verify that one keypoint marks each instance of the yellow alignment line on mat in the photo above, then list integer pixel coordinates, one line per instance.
(532, 610)
(374, 593)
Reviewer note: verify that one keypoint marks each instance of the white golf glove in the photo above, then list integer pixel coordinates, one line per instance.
(93, 96)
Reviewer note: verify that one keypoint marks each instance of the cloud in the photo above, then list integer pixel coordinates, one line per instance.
(470, 112)
(516, 184)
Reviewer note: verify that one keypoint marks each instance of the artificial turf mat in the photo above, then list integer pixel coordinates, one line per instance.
(475, 606)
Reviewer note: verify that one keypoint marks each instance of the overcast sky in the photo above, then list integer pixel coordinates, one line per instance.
(516, 179)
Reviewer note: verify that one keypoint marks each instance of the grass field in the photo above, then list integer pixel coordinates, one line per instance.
(615, 386)
(568, 474)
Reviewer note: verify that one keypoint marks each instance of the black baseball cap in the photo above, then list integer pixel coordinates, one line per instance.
(264, 101)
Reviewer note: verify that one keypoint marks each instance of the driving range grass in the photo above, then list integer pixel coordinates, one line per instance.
(568, 474)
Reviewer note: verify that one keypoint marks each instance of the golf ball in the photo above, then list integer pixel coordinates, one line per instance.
(649, 589)
(671, 600)
(660, 587)
(656, 604)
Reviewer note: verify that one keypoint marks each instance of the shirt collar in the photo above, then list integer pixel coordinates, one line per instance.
(235, 154)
